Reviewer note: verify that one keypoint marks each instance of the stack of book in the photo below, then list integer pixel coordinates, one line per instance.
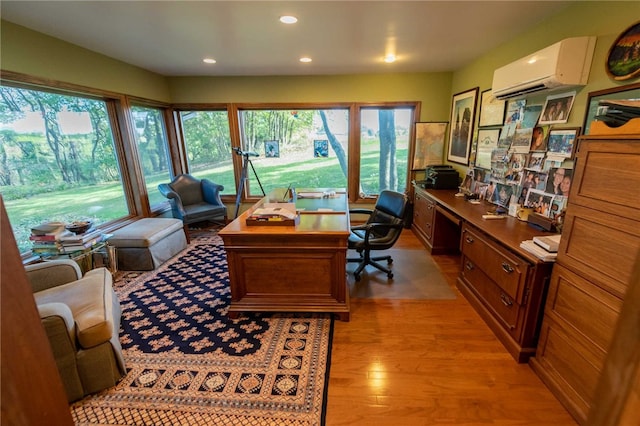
(47, 243)
(77, 242)
(544, 248)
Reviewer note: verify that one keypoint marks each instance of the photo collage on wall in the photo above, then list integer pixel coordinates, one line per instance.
(525, 160)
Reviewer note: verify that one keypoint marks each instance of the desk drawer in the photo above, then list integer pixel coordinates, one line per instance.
(502, 306)
(504, 268)
(423, 213)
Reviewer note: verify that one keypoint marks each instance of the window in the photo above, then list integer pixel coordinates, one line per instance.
(58, 161)
(385, 134)
(304, 148)
(208, 145)
(151, 140)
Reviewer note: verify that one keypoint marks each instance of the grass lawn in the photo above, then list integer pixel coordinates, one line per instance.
(106, 202)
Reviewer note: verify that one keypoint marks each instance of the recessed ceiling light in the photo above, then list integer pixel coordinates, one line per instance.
(288, 19)
(305, 59)
(209, 61)
(390, 58)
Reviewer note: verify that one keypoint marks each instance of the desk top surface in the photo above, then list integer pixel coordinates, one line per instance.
(508, 231)
(318, 215)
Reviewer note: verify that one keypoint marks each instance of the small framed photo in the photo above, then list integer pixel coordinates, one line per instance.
(562, 142)
(622, 61)
(272, 149)
(492, 110)
(539, 138)
(487, 142)
(557, 108)
(539, 201)
(321, 148)
(463, 114)
(429, 148)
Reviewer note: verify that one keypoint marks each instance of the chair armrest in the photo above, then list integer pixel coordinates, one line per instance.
(52, 273)
(211, 192)
(174, 200)
(369, 229)
(360, 211)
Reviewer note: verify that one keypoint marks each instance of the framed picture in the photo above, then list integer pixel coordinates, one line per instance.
(429, 149)
(463, 114)
(487, 142)
(623, 61)
(557, 108)
(321, 148)
(562, 142)
(272, 149)
(492, 110)
(629, 91)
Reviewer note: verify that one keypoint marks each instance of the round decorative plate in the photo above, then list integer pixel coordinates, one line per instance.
(623, 60)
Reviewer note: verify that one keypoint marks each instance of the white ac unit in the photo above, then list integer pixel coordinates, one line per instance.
(562, 65)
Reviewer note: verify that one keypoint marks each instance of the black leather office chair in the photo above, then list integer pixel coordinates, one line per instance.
(194, 200)
(380, 232)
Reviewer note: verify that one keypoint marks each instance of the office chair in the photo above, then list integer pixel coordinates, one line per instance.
(380, 232)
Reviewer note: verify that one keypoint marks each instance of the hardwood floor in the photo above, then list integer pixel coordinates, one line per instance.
(430, 362)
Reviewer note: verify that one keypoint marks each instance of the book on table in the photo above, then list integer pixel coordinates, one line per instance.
(548, 242)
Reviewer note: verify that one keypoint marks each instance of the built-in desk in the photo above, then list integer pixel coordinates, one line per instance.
(299, 268)
(506, 284)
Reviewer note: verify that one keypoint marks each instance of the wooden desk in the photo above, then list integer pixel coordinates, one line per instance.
(298, 268)
(506, 284)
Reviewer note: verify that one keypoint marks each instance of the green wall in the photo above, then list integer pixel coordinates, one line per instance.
(603, 19)
(38, 55)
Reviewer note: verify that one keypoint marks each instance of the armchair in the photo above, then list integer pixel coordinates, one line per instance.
(194, 200)
(380, 232)
(81, 318)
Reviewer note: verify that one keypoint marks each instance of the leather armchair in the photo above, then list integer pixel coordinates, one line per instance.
(380, 232)
(81, 317)
(194, 200)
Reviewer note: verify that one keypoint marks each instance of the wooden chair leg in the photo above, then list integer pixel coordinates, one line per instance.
(186, 232)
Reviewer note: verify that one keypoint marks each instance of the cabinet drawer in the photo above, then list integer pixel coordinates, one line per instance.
(578, 304)
(503, 307)
(423, 213)
(503, 267)
(568, 366)
(602, 246)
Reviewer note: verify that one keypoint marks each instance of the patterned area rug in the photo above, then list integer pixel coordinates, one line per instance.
(188, 364)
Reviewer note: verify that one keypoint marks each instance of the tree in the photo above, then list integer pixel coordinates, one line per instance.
(334, 143)
(388, 168)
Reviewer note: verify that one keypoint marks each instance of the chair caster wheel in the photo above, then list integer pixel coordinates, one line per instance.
(389, 261)
(390, 275)
(357, 277)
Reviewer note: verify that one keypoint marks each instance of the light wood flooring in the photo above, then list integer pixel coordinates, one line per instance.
(429, 362)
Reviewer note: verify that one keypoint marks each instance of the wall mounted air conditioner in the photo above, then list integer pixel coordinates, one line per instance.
(562, 65)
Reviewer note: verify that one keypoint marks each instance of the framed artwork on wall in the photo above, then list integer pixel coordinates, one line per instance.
(623, 62)
(272, 149)
(429, 150)
(463, 113)
(629, 91)
(557, 108)
(492, 110)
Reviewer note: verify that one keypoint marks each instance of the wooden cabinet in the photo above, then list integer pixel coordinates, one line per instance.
(437, 228)
(599, 246)
(423, 213)
(504, 288)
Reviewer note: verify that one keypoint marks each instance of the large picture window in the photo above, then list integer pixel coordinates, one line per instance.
(151, 140)
(385, 134)
(58, 161)
(304, 148)
(208, 146)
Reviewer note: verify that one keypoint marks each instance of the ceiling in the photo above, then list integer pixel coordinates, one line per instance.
(245, 37)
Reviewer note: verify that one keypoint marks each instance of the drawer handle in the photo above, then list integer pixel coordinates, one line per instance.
(469, 266)
(507, 268)
(506, 301)
(469, 239)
